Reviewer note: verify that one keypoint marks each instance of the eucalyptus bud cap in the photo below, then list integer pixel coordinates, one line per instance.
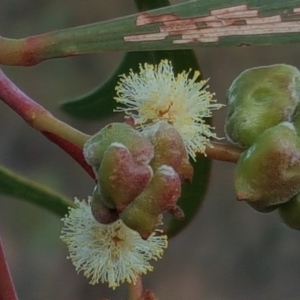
(268, 173)
(121, 178)
(160, 195)
(260, 98)
(102, 213)
(141, 221)
(140, 148)
(169, 149)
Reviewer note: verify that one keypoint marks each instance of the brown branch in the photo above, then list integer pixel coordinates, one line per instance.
(223, 152)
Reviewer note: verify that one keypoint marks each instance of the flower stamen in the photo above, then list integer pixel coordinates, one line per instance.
(108, 253)
(156, 94)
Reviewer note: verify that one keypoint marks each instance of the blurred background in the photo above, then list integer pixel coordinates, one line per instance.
(228, 252)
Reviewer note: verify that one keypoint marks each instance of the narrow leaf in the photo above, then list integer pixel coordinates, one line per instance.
(16, 186)
(183, 26)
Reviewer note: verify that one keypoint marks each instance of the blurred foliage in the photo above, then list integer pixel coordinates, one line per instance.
(16, 186)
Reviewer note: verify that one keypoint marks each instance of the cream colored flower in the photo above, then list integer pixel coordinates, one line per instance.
(155, 94)
(108, 253)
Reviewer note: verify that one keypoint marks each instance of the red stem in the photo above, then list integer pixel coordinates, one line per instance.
(75, 152)
(17, 100)
(61, 134)
(7, 289)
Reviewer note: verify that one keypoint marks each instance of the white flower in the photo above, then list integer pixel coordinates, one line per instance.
(108, 253)
(155, 94)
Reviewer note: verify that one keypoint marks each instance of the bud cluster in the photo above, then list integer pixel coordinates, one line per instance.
(139, 175)
(263, 117)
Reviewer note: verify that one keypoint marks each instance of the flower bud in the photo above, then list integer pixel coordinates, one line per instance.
(260, 98)
(162, 193)
(139, 147)
(102, 213)
(289, 212)
(268, 173)
(170, 150)
(140, 220)
(120, 177)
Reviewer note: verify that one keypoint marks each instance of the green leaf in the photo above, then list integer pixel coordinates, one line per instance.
(192, 196)
(19, 187)
(183, 26)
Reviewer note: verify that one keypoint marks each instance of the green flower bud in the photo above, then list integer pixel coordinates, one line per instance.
(161, 194)
(260, 98)
(268, 173)
(101, 212)
(289, 212)
(140, 220)
(139, 147)
(122, 179)
(169, 150)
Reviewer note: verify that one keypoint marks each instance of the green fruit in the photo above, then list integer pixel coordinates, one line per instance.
(144, 213)
(268, 173)
(121, 178)
(170, 150)
(139, 146)
(102, 213)
(260, 98)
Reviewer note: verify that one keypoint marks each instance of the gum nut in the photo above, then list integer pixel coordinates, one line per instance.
(98, 195)
(289, 212)
(101, 212)
(122, 179)
(170, 150)
(260, 98)
(160, 195)
(140, 221)
(140, 148)
(167, 185)
(268, 173)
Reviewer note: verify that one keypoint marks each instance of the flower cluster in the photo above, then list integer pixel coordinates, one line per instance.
(170, 114)
(108, 253)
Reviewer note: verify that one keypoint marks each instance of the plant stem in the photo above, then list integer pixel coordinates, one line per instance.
(70, 139)
(7, 289)
(135, 291)
(63, 135)
(223, 152)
